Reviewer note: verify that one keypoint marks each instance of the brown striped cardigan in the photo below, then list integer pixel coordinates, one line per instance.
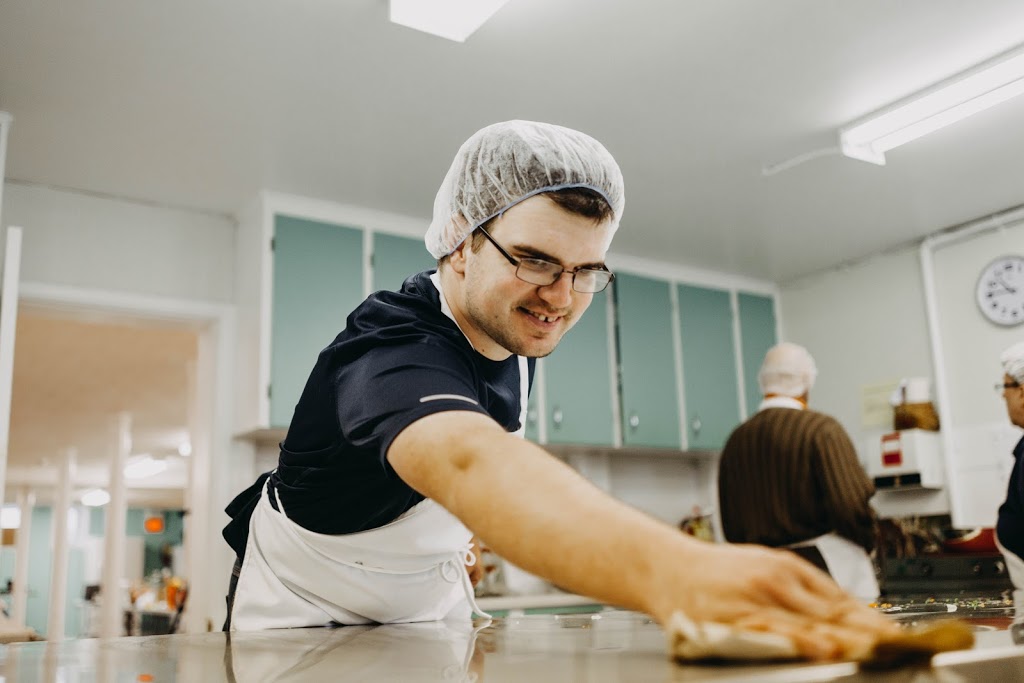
(789, 475)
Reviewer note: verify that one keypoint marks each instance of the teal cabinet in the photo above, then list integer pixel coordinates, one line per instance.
(533, 413)
(318, 280)
(647, 366)
(709, 366)
(578, 381)
(395, 258)
(757, 335)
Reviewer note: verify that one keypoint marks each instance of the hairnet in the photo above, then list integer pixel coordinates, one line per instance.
(788, 370)
(1013, 361)
(505, 163)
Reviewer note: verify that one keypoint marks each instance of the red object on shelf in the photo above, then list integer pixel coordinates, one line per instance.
(154, 525)
(981, 540)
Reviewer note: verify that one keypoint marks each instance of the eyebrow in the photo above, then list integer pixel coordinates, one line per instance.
(533, 252)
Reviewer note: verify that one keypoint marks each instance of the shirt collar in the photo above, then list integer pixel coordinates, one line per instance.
(781, 402)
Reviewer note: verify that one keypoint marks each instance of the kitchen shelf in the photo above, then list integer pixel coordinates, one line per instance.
(539, 601)
(274, 436)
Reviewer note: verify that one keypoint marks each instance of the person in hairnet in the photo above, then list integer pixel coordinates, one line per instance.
(1010, 525)
(789, 478)
(404, 447)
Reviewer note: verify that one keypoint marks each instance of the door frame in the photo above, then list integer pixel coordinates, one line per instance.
(211, 483)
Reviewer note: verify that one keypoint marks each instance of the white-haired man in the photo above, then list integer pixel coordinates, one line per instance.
(789, 477)
(403, 447)
(1010, 527)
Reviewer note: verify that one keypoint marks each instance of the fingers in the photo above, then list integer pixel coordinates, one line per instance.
(814, 639)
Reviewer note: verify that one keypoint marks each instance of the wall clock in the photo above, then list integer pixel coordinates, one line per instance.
(1000, 291)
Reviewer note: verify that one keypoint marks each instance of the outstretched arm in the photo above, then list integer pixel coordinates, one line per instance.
(534, 510)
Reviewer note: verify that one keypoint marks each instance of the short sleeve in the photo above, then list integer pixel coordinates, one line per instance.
(389, 388)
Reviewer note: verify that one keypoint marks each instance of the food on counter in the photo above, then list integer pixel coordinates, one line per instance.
(919, 643)
(691, 641)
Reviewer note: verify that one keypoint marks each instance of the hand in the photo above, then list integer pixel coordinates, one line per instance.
(760, 589)
(476, 570)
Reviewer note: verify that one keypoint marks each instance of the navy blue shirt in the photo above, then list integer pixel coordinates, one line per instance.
(1010, 528)
(399, 358)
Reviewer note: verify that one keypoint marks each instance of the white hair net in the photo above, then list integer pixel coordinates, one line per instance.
(505, 163)
(1013, 361)
(788, 370)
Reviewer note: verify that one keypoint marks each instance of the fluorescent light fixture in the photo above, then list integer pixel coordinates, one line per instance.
(95, 498)
(143, 466)
(452, 19)
(974, 90)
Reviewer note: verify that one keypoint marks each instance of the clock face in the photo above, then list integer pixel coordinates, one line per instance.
(1001, 290)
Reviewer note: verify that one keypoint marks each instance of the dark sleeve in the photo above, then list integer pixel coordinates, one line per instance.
(845, 487)
(1010, 524)
(391, 387)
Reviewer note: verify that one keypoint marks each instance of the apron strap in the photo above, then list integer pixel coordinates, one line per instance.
(462, 559)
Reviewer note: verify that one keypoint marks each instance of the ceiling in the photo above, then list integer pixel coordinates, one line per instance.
(201, 104)
(73, 376)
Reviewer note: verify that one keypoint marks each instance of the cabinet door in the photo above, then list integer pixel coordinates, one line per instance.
(318, 280)
(396, 258)
(709, 366)
(533, 411)
(757, 335)
(650, 404)
(579, 381)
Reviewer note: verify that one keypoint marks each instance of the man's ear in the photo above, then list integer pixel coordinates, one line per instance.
(457, 259)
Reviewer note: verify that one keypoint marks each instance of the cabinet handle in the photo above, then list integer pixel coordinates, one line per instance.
(696, 424)
(556, 417)
(634, 421)
(531, 416)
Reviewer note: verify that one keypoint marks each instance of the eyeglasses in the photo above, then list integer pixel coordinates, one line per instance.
(545, 273)
(1003, 386)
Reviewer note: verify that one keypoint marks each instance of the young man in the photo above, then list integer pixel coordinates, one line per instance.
(404, 444)
(789, 477)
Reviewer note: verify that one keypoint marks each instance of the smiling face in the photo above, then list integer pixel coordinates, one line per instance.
(501, 314)
(1014, 397)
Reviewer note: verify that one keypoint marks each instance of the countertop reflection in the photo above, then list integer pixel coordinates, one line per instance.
(602, 647)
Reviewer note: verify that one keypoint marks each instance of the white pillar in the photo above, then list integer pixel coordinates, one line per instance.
(61, 552)
(8, 326)
(197, 493)
(112, 609)
(19, 610)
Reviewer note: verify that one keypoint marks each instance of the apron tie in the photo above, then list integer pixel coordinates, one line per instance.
(454, 569)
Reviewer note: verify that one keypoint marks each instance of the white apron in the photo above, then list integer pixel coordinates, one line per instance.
(1015, 567)
(848, 564)
(410, 570)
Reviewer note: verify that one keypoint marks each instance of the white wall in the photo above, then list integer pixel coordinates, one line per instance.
(81, 240)
(866, 324)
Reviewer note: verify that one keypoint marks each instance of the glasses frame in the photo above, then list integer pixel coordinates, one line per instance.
(518, 262)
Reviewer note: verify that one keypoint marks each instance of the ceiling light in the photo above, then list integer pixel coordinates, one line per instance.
(974, 90)
(95, 498)
(143, 466)
(452, 19)
(185, 449)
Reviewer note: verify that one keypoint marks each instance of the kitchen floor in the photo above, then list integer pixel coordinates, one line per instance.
(602, 647)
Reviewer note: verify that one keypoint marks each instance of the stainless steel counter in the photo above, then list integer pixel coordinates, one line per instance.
(604, 647)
